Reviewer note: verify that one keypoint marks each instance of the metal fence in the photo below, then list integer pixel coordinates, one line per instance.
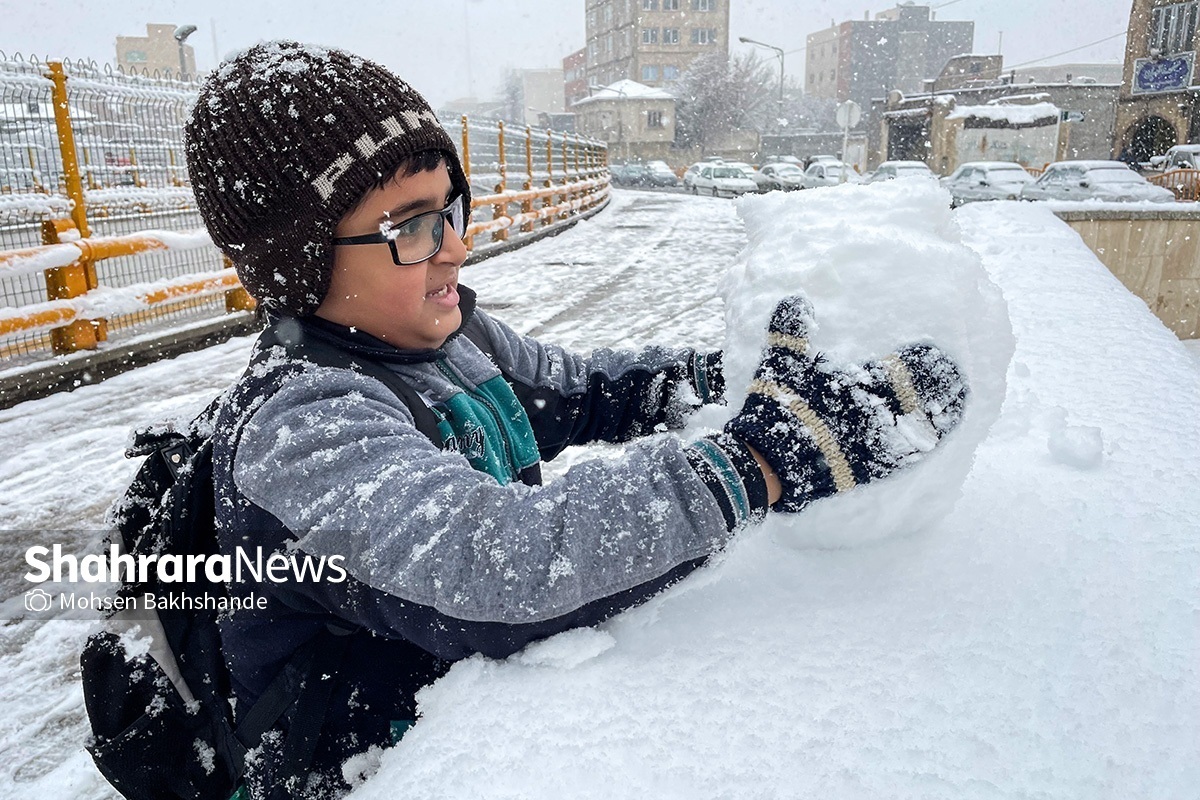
(100, 238)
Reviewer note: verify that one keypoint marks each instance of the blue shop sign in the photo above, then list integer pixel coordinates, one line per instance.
(1170, 74)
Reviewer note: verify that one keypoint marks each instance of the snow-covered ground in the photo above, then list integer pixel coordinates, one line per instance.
(1035, 634)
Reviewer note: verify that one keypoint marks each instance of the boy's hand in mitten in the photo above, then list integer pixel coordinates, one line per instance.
(824, 430)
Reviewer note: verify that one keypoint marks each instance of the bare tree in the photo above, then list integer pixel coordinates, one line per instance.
(715, 96)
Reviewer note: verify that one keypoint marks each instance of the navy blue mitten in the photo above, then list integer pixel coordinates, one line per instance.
(825, 430)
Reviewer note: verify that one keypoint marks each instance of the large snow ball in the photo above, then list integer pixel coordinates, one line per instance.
(884, 266)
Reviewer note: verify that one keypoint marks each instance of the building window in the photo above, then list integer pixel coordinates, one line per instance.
(135, 56)
(1172, 28)
(654, 119)
(670, 35)
(704, 5)
(704, 35)
(591, 20)
(647, 5)
(650, 72)
(670, 5)
(608, 16)
(670, 72)
(810, 77)
(649, 35)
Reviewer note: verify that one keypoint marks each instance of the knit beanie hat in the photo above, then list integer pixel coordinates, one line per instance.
(283, 141)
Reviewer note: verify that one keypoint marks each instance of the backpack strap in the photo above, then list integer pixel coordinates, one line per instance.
(290, 334)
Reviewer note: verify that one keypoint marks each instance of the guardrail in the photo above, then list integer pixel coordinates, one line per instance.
(99, 232)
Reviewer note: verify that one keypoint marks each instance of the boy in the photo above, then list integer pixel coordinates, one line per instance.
(387, 421)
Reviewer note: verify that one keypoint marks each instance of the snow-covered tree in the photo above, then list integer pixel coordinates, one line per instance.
(716, 95)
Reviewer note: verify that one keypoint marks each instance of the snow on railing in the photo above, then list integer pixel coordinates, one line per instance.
(126, 166)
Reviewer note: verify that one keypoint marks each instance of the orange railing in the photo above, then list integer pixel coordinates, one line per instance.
(1185, 183)
(524, 182)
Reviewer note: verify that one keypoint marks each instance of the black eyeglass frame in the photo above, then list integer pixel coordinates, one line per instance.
(446, 214)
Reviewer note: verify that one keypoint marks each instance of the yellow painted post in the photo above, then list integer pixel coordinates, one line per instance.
(63, 283)
(498, 210)
(566, 196)
(237, 299)
(66, 146)
(174, 174)
(87, 168)
(469, 241)
(77, 278)
(133, 170)
(548, 200)
(33, 171)
(527, 204)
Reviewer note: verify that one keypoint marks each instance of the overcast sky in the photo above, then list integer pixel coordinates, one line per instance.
(451, 48)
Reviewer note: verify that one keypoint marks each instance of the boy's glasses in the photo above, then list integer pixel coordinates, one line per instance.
(418, 238)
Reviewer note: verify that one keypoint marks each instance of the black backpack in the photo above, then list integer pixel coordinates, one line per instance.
(162, 724)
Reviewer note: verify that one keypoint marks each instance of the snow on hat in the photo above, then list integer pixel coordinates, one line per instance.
(284, 139)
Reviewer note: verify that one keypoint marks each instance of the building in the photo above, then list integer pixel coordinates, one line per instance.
(575, 83)
(1157, 106)
(900, 49)
(651, 42)
(636, 120)
(534, 93)
(157, 51)
(996, 121)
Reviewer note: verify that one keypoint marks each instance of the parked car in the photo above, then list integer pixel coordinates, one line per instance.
(1181, 156)
(808, 162)
(721, 179)
(986, 180)
(827, 173)
(659, 173)
(761, 182)
(689, 176)
(784, 176)
(1094, 180)
(630, 174)
(900, 169)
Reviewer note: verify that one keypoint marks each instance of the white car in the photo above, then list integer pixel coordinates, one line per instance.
(1094, 180)
(761, 182)
(900, 169)
(986, 180)
(783, 176)
(1181, 156)
(829, 173)
(722, 180)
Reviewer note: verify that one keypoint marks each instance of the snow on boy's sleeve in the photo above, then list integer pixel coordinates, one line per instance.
(335, 457)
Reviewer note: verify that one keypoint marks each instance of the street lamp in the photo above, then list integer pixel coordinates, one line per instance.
(181, 35)
(778, 52)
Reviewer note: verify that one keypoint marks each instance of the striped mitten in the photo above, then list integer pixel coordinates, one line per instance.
(825, 430)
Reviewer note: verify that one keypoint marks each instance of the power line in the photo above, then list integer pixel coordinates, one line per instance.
(1064, 52)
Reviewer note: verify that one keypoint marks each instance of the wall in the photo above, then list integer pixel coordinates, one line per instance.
(1156, 254)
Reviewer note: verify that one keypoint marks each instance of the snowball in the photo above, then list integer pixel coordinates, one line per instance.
(884, 266)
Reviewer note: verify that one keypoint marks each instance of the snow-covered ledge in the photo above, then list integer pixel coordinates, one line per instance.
(1152, 249)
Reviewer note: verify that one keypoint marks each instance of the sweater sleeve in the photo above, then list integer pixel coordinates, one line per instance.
(609, 395)
(445, 556)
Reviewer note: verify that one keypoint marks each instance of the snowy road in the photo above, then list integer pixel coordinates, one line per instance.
(1040, 640)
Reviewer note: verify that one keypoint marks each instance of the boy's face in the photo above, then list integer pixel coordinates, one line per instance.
(413, 306)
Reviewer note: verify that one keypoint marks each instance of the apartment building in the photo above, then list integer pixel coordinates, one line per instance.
(899, 49)
(651, 41)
